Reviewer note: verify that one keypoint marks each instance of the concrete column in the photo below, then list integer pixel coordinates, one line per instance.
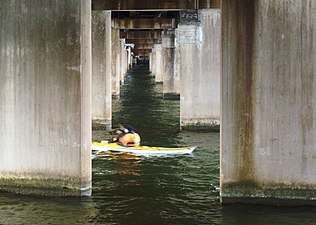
(116, 62)
(158, 63)
(150, 61)
(134, 60)
(153, 60)
(169, 86)
(123, 61)
(177, 73)
(101, 70)
(199, 44)
(45, 97)
(129, 56)
(85, 101)
(268, 102)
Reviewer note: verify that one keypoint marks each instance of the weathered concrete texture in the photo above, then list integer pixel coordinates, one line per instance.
(199, 44)
(101, 70)
(158, 62)
(85, 98)
(45, 120)
(150, 62)
(177, 73)
(152, 57)
(129, 56)
(268, 102)
(123, 61)
(116, 62)
(170, 84)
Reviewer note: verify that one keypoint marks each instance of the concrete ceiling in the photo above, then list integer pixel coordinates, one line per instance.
(131, 5)
(143, 28)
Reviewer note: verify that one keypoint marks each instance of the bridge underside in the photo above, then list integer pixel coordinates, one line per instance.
(260, 53)
(136, 5)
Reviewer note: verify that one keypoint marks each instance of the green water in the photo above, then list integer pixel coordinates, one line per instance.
(182, 189)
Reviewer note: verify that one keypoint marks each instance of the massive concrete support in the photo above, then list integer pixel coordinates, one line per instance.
(123, 60)
(102, 60)
(268, 102)
(116, 62)
(158, 62)
(199, 43)
(119, 62)
(129, 56)
(150, 61)
(85, 175)
(177, 73)
(171, 83)
(45, 97)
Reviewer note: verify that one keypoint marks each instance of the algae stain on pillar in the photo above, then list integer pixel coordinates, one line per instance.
(244, 89)
(238, 80)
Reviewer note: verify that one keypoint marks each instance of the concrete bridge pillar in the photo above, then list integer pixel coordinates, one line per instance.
(123, 60)
(101, 70)
(177, 73)
(129, 56)
(198, 40)
(45, 97)
(158, 62)
(150, 61)
(268, 102)
(134, 60)
(116, 62)
(170, 83)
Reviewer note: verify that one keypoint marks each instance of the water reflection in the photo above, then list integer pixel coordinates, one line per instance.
(156, 119)
(16, 209)
(262, 215)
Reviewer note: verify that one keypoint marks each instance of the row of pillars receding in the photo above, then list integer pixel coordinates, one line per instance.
(268, 95)
(185, 59)
(191, 68)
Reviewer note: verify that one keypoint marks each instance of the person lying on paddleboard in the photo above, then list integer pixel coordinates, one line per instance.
(129, 137)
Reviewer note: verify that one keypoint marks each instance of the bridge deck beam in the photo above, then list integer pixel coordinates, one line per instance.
(138, 24)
